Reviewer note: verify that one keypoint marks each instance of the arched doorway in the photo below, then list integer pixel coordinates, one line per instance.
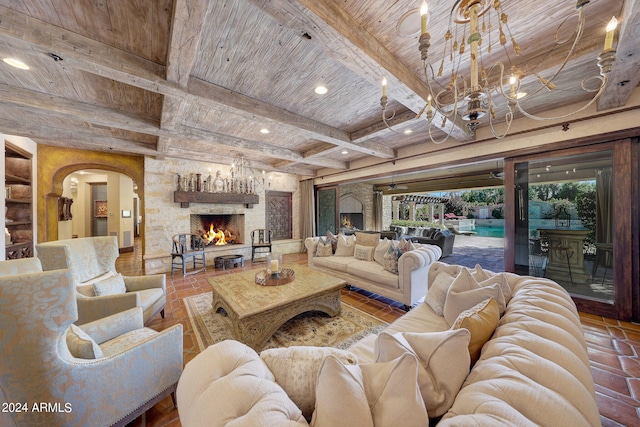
(55, 164)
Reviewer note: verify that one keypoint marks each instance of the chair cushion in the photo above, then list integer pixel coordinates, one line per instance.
(369, 394)
(296, 370)
(481, 320)
(82, 345)
(113, 285)
(126, 341)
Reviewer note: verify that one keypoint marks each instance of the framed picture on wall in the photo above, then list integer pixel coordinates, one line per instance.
(100, 209)
(126, 214)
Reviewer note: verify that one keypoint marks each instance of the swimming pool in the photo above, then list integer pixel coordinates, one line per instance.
(484, 231)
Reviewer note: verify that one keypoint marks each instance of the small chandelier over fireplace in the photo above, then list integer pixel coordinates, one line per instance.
(495, 88)
(241, 179)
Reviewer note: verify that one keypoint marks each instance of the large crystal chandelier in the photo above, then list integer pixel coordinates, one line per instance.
(486, 90)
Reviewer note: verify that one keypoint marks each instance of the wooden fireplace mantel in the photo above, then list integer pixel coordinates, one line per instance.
(186, 197)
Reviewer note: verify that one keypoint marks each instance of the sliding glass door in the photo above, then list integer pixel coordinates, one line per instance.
(569, 225)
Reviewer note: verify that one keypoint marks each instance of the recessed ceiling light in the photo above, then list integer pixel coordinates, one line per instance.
(345, 152)
(321, 90)
(264, 130)
(16, 63)
(408, 131)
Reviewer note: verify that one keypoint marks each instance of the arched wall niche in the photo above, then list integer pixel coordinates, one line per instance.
(352, 212)
(55, 163)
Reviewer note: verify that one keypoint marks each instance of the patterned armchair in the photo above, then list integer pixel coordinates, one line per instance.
(93, 260)
(133, 367)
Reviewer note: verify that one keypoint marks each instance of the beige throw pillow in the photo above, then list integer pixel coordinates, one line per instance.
(443, 363)
(367, 239)
(324, 249)
(381, 249)
(464, 293)
(346, 245)
(111, 286)
(364, 253)
(481, 320)
(371, 394)
(82, 345)
(296, 371)
(437, 293)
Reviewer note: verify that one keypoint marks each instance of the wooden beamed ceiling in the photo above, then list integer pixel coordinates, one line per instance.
(198, 79)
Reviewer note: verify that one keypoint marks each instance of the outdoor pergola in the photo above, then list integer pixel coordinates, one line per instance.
(412, 201)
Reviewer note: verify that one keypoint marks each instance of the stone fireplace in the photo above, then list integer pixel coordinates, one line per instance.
(219, 230)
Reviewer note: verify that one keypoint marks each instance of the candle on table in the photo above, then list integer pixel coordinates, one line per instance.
(274, 265)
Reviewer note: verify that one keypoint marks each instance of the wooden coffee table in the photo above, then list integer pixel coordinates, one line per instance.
(255, 312)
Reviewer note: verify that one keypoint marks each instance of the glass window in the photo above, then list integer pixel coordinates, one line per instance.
(564, 229)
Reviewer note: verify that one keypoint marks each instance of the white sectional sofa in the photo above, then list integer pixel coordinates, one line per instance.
(408, 286)
(533, 370)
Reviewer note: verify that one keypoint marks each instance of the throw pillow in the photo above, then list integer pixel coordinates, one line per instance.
(346, 245)
(381, 249)
(437, 293)
(324, 249)
(364, 253)
(464, 293)
(405, 246)
(371, 394)
(367, 239)
(333, 239)
(390, 260)
(296, 370)
(443, 362)
(479, 274)
(82, 345)
(481, 320)
(110, 286)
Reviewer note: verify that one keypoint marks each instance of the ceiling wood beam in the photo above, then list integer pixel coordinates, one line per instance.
(77, 139)
(63, 107)
(347, 42)
(625, 75)
(186, 29)
(197, 155)
(23, 32)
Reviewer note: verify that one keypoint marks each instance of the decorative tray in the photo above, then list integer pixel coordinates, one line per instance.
(286, 276)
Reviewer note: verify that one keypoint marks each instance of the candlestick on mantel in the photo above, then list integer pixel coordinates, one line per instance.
(611, 29)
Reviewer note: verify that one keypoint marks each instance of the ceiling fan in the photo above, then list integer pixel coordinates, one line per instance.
(496, 174)
(394, 186)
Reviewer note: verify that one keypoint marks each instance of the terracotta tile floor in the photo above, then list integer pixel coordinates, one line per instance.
(613, 346)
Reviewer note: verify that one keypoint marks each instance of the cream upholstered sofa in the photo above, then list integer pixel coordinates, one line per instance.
(92, 260)
(532, 370)
(407, 286)
(103, 373)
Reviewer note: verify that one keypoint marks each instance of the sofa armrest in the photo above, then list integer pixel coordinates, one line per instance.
(102, 330)
(311, 243)
(140, 283)
(413, 271)
(93, 308)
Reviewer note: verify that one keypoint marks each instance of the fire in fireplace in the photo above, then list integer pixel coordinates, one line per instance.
(218, 230)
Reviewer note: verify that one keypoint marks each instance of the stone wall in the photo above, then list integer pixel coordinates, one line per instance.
(362, 192)
(164, 218)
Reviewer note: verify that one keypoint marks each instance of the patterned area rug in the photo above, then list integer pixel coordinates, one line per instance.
(311, 328)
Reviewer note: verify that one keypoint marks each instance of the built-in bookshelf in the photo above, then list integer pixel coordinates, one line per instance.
(18, 202)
